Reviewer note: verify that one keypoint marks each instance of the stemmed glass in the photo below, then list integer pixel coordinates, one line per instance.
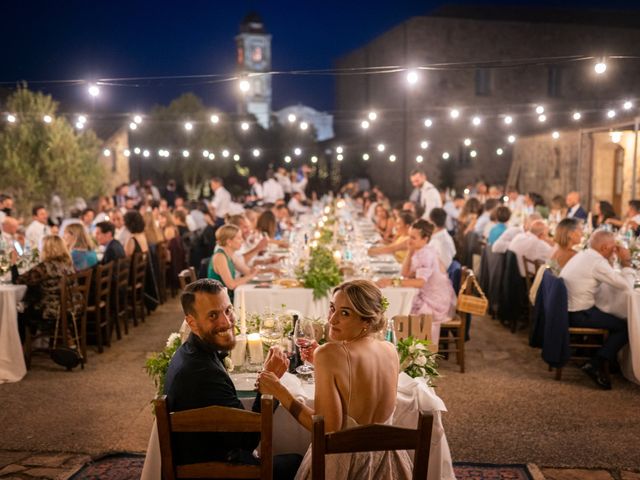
(304, 336)
(271, 330)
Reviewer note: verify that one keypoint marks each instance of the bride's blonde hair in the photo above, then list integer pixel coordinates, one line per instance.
(366, 299)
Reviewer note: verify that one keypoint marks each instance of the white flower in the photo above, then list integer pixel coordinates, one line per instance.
(412, 348)
(172, 338)
(228, 364)
(421, 361)
(420, 346)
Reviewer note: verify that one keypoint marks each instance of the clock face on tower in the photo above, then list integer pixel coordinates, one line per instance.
(256, 58)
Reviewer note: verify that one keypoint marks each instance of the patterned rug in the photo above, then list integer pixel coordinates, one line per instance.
(126, 466)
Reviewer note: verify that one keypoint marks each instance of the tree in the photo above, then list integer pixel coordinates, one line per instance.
(39, 158)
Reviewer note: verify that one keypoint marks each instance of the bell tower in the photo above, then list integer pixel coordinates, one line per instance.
(253, 49)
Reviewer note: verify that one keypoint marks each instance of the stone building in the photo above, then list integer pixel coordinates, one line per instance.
(112, 157)
(598, 162)
(479, 40)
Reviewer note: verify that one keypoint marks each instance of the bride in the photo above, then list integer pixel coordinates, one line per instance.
(356, 377)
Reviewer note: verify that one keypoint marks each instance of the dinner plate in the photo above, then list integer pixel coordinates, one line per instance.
(244, 381)
(263, 277)
(386, 269)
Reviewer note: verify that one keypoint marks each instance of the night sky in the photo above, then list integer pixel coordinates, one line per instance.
(71, 39)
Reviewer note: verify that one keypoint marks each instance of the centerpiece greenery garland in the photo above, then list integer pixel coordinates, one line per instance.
(322, 272)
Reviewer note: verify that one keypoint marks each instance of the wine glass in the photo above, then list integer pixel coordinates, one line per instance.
(271, 330)
(304, 336)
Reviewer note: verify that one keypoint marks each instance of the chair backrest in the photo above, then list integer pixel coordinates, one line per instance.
(123, 274)
(215, 419)
(372, 438)
(82, 284)
(187, 276)
(102, 279)
(139, 268)
(530, 269)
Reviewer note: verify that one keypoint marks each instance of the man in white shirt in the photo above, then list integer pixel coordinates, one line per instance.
(295, 205)
(575, 209)
(440, 240)
(534, 244)
(583, 275)
(39, 228)
(271, 189)
(255, 189)
(222, 198)
(485, 218)
(428, 196)
(453, 207)
(9, 228)
(283, 178)
(502, 244)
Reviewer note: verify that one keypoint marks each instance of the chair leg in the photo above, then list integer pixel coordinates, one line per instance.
(97, 317)
(27, 346)
(559, 373)
(460, 352)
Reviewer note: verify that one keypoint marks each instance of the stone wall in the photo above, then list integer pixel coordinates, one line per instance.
(116, 165)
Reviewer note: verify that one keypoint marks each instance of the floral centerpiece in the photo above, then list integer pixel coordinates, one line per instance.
(322, 272)
(23, 262)
(417, 360)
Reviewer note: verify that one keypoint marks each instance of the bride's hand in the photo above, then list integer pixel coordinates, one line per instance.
(307, 353)
(268, 383)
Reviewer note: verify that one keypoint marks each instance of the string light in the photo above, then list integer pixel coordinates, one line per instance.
(611, 113)
(364, 124)
(94, 90)
(137, 119)
(539, 109)
(419, 159)
(600, 67)
(542, 118)
(454, 113)
(106, 152)
(244, 126)
(244, 85)
(314, 159)
(185, 153)
(47, 119)
(445, 156)
(136, 150)
(555, 135)
(236, 157)
(287, 159)
(476, 121)
(212, 156)
(424, 144)
(467, 142)
(412, 77)
(292, 118)
(304, 125)
(79, 125)
(428, 122)
(508, 120)
(365, 156)
(214, 119)
(473, 154)
(188, 126)
(372, 116)
(225, 153)
(205, 153)
(381, 147)
(627, 105)
(82, 119)
(127, 152)
(392, 158)
(616, 137)
(499, 151)
(133, 125)
(297, 151)
(340, 157)
(11, 118)
(256, 152)
(511, 138)
(576, 116)
(339, 149)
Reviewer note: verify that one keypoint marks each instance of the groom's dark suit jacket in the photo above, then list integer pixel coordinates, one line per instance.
(197, 378)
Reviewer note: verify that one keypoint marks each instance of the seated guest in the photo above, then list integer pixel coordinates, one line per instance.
(558, 209)
(267, 226)
(9, 227)
(222, 267)
(43, 296)
(568, 234)
(534, 244)
(197, 378)
(180, 221)
(423, 269)
(113, 249)
(383, 222)
(503, 214)
(253, 245)
(399, 246)
(502, 243)
(39, 227)
(152, 231)
(80, 245)
(582, 276)
(166, 225)
(296, 204)
(602, 213)
(484, 219)
(356, 378)
(575, 210)
(137, 241)
(453, 207)
(535, 203)
(440, 240)
(632, 220)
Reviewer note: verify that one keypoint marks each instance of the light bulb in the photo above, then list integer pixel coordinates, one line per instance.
(445, 156)
(340, 157)
(82, 119)
(244, 126)
(511, 138)
(133, 125)
(94, 90)
(297, 151)
(137, 119)
(476, 121)
(291, 117)
(392, 158)
(454, 113)
(419, 159)
(365, 156)
(256, 152)
(627, 105)
(106, 152)
(473, 154)
(127, 152)
(136, 150)
(188, 126)
(600, 67)
(339, 149)
(304, 125)
(11, 118)
(364, 124)
(499, 151)
(314, 159)
(212, 156)
(381, 147)
(372, 116)
(79, 125)
(539, 109)
(555, 135)
(576, 116)
(467, 142)
(236, 157)
(287, 159)
(508, 120)
(225, 153)
(428, 122)
(412, 77)
(205, 153)
(611, 113)
(244, 85)
(424, 144)
(185, 153)
(542, 118)
(215, 119)
(47, 119)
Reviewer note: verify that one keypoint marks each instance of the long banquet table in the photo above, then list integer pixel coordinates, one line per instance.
(290, 437)
(12, 366)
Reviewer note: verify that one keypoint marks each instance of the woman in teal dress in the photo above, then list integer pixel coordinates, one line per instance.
(80, 246)
(222, 266)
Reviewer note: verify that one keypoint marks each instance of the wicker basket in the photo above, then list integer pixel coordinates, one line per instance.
(469, 303)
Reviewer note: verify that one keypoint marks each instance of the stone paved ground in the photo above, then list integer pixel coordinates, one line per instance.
(506, 409)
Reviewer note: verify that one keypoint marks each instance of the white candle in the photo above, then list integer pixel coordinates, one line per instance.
(239, 352)
(243, 313)
(255, 348)
(337, 255)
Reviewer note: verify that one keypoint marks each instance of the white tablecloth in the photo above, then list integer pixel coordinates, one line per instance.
(291, 437)
(12, 366)
(256, 300)
(630, 356)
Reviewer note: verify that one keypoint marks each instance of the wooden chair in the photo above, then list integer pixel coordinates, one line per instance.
(416, 326)
(120, 287)
(215, 419)
(187, 276)
(584, 339)
(82, 286)
(162, 254)
(372, 438)
(136, 286)
(530, 270)
(98, 310)
(452, 333)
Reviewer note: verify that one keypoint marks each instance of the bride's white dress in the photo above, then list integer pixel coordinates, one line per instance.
(390, 465)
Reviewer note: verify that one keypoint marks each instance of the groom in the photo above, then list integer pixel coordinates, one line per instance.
(197, 378)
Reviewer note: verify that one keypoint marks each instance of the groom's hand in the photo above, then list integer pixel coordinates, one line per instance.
(276, 362)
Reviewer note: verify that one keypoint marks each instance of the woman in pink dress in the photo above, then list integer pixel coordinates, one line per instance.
(422, 269)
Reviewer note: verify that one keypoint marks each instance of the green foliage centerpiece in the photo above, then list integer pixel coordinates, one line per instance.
(322, 272)
(417, 360)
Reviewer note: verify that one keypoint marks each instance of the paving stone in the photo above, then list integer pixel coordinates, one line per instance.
(575, 474)
(627, 475)
(14, 468)
(8, 457)
(50, 473)
(76, 460)
(46, 460)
